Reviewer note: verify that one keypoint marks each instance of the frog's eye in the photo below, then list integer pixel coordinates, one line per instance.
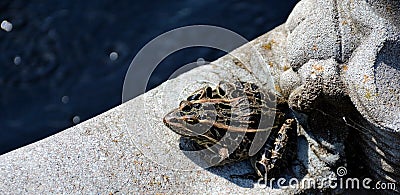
(185, 106)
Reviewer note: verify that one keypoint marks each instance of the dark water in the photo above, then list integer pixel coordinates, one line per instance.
(55, 66)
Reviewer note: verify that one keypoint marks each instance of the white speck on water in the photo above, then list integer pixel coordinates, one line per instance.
(17, 60)
(113, 56)
(200, 61)
(6, 25)
(76, 119)
(65, 99)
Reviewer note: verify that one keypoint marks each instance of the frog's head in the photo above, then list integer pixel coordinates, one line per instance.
(194, 119)
(207, 115)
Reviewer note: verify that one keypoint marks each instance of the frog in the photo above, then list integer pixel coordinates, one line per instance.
(224, 121)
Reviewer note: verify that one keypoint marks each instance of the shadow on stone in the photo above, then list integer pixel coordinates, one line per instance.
(295, 170)
(224, 171)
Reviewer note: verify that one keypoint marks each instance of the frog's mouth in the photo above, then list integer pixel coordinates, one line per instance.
(206, 139)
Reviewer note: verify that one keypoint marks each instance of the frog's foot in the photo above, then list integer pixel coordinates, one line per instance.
(278, 152)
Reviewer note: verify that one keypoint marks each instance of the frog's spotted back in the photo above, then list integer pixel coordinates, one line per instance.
(231, 115)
